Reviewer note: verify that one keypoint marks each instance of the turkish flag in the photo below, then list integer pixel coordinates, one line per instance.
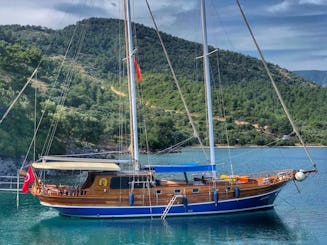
(137, 70)
(29, 178)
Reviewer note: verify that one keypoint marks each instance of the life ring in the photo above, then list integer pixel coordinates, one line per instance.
(103, 182)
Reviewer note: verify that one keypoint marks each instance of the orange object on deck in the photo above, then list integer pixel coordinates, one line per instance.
(243, 179)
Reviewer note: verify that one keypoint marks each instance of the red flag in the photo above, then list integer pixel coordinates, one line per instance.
(137, 70)
(29, 178)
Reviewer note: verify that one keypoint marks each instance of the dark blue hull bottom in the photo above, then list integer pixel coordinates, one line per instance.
(235, 205)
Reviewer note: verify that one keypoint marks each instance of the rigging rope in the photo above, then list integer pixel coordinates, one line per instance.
(65, 92)
(176, 81)
(141, 95)
(275, 87)
(19, 94)
(171, 148)
(88, 154)
(223, 111)
(35, 116)
(128, 55)
(45, 109)
(50, 134)
(123, 145)
(24, 87)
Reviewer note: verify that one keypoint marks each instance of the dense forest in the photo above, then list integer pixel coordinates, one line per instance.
(80, 88)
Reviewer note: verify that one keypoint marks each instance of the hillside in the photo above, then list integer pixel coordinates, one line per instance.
(319, 77)
(83, 96)
(103, 48)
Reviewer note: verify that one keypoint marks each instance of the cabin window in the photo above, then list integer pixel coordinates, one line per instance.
(119, 182)
(158, 192)
(177, 191)
(195, 190)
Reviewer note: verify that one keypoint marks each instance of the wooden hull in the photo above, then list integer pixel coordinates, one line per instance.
(257, 202)
(116, 203)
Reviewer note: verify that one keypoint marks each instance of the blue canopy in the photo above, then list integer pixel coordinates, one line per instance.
(180, 168)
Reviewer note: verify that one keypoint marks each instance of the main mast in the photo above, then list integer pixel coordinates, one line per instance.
(131, 81)
(208, 88)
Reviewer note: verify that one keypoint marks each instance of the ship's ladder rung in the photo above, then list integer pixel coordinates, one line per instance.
(168, 207)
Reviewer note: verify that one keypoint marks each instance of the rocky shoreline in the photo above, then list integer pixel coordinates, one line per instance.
(10, 166)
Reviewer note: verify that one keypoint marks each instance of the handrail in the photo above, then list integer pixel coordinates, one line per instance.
(170, 204)
(9, 183)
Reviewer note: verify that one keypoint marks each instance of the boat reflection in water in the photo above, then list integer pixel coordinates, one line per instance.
(260, 226)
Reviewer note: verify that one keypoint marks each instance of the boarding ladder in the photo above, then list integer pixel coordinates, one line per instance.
(170, 204)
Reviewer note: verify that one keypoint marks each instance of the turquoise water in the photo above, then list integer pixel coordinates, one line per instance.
(296, 219)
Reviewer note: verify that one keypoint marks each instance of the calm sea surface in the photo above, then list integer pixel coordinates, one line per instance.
(298, 218)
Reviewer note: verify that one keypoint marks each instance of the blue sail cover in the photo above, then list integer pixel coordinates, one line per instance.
(180, 168)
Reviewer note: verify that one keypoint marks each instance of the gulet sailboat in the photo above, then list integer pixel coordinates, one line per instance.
(110, 192)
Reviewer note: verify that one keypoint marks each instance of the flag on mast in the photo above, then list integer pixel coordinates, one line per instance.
(137, 70)
(29, 178)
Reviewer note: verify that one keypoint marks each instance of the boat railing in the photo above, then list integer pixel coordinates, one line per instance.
(264, 177)
(277, 173)
(54, 190)
(9, 183)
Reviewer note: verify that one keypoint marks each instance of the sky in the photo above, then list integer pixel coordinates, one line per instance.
(291, 33)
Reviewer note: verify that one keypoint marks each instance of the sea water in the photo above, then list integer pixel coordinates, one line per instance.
(298, 218)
